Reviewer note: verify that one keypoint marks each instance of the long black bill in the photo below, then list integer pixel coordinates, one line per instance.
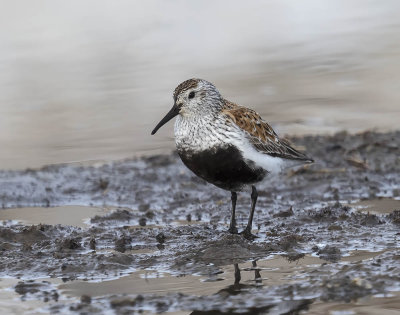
(171, 114)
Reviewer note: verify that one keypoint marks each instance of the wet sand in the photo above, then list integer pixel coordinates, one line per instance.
(156, 239)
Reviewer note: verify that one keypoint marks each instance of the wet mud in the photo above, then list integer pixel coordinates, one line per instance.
(158, 242)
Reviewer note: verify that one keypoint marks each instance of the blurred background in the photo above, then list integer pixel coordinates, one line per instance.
(84, 81)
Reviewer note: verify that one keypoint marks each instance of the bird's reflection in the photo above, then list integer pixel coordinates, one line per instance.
(257, 274)
(237, 288)
(237, 274)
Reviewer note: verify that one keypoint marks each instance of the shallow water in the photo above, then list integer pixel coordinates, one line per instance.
(67, 215)
(378, 206)
(91, 84)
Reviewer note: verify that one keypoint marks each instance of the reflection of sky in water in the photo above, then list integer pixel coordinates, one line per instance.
(89, 81)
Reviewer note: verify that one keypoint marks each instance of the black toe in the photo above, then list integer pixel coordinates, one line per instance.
(233, 230)
(246, 233)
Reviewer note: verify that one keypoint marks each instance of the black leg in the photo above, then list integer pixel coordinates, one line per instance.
(237, 274)
(257, 274)
(247, 231)
(232, 226)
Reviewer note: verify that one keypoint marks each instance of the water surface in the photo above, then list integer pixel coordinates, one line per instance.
(90, 84)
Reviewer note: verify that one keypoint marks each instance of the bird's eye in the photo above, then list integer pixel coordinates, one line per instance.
(191, 94)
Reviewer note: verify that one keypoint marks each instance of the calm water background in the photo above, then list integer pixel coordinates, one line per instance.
(88, 80)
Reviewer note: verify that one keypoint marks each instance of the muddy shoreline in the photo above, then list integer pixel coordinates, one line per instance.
(156, 217)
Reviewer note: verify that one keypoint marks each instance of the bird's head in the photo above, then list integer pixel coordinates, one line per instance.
(193, 97)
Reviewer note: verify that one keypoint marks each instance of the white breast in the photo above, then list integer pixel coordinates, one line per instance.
(198, 133)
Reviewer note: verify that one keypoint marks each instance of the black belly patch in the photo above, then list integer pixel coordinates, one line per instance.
(222, 166)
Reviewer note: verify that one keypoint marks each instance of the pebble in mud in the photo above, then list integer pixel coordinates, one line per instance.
(142, 221)
(160, 237)
(122, 244)
(92, 244)
(116, 216)
(150, 215)
(69, 243)
(86, 299)
(330, 253)
(41, 290)
(334, 227)
(123, 302)
(284, 214)
(103, 183)
(394, 217)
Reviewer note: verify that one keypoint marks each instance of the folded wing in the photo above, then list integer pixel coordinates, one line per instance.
(260, 134)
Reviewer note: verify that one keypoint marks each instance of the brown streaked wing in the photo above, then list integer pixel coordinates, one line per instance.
(260, 133)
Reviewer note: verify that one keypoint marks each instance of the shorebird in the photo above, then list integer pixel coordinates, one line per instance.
(226, 144)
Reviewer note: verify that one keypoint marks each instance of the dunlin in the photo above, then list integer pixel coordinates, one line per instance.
(226, 144)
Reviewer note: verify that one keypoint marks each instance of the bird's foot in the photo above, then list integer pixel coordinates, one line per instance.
(233, 230)
(246, 233)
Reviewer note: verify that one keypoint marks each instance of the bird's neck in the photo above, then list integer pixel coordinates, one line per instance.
(195, 132)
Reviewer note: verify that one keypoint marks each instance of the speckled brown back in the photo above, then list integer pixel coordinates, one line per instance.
(260, 133)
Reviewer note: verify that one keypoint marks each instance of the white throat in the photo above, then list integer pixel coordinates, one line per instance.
(197, 133)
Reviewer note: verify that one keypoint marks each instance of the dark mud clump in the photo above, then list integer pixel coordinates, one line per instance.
(346, 289)
(394, 217)
(36, 290)
(118, 215)
(165, 218)
(329, 253)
